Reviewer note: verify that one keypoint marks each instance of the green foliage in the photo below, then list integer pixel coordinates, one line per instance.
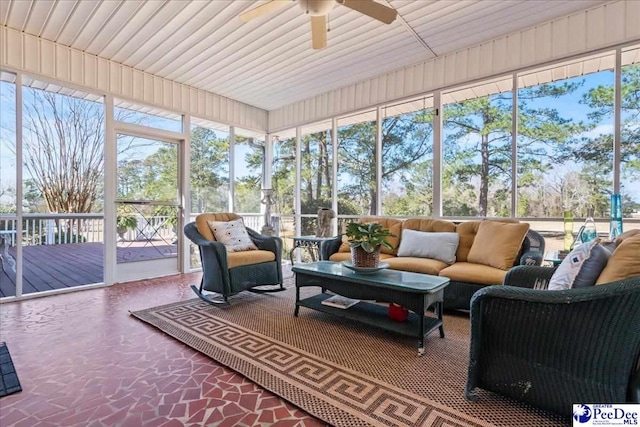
(368, 236)
(126, 222)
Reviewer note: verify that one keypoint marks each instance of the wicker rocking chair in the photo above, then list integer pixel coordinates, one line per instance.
(230, 273)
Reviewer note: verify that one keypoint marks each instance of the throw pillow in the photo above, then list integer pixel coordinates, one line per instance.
(420, 244)
(624, 262)
(581, 267)
(497, 244)
(233, 235)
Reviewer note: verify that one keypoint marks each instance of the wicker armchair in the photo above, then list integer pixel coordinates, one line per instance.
(228, 277)
(555, 348)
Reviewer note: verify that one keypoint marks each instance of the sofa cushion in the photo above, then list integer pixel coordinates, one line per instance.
(233, 235)
(497, 244)
(467, 232)
(346, 256)
(420, 244)
(581, 267)
(474, 273)
(627, 234)
(624, 262)
(237, 259)
(203, 226)
(416, 265)
(394, 226)
(426, 224)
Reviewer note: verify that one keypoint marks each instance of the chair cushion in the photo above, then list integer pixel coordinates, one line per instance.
(416, 265)
(419, 244)
(237, 259)
(581, 267)
(627, 234)
(474, 273)
(233, 235)
(203, 226)
(467, 232)
(624, 262)
(427, 224)
(497, 244)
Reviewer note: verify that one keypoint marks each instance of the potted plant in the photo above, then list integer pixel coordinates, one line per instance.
(365, 241)
(125, 221)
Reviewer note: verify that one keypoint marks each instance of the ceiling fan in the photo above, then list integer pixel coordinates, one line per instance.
(319, 9)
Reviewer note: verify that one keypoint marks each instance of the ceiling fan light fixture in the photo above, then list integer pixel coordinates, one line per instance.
(316, 7)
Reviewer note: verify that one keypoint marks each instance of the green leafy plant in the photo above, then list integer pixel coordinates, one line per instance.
(368, 236)
(126, 222)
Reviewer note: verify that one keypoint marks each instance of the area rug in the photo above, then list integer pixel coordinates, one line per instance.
(343, 372)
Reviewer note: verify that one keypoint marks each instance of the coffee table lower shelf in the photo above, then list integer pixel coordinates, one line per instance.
(375, 315)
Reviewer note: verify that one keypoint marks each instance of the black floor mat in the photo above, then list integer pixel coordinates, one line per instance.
(9, 382)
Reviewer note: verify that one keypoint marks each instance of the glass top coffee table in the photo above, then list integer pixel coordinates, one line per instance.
(413, 291)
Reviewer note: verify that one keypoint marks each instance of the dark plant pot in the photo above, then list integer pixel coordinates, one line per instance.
(362, 258)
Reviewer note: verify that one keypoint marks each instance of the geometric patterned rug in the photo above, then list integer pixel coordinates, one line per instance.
(342, 372)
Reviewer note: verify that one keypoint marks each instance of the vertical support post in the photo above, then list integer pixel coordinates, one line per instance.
(334, 172)
(185, 195)
(514, 146)
(232, 167)
(19, 189)
(298, 201)
(378, 160)
(268, 161)
(110, 212)
(437, 154)
(617, 122)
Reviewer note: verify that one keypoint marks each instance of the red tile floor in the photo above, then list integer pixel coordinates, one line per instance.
(82, 360)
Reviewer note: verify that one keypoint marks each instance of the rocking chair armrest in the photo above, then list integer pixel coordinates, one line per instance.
(529, 276)
(266, 243)
(330, 247)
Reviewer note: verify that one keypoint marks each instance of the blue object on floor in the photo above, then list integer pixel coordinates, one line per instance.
(9, 382)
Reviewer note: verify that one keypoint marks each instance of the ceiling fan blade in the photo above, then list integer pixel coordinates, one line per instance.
(319, 32)
(370, 8)
(263, 9)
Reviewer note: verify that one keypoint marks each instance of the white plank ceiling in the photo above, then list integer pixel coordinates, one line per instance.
(268, 62)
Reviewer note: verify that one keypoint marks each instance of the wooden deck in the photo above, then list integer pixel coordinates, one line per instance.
(48, 267)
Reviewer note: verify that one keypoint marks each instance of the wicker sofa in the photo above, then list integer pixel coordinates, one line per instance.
(555, 348)
(466, 277)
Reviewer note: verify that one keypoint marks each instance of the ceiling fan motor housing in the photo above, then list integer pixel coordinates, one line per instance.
(316, 7)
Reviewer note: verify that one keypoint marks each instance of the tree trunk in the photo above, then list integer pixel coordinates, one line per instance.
(328, 171)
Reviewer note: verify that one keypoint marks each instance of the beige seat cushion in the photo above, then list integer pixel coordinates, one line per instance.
(497, 244)
(430, 225)
(467, 231)
(236, 259)
(394, 226)
(203, 226)
(474, 273)
(416, 265)
(627, 234)
(346, 256)
(624, 262)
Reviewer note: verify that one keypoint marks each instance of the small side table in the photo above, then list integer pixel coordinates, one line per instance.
(553, 258)
(311, 243)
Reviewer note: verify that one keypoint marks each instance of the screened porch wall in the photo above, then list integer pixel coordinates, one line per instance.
(597, 28)
(39, 57)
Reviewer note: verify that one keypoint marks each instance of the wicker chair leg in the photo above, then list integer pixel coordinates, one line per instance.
(471, 394)
(258, 290)
(210, 299)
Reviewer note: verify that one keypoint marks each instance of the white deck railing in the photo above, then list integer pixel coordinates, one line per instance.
(50, 229)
